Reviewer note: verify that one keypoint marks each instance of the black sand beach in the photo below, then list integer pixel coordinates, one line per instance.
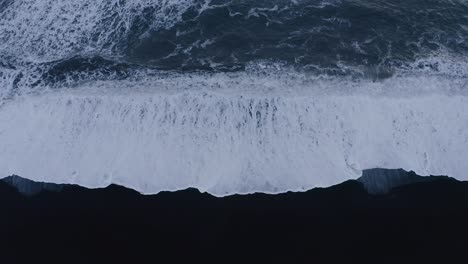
(418, 221)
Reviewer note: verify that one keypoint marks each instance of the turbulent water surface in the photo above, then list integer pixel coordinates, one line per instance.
(231, 96)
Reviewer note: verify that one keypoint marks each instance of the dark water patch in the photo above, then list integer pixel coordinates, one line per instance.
(70, 72)
(230, 34)
(82, 68)
(382, 181)
(30, 78)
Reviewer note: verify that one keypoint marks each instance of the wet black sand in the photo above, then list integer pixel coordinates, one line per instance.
(422, 221)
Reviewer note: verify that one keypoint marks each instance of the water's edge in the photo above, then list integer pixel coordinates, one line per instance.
(373, 181)
(422, 220)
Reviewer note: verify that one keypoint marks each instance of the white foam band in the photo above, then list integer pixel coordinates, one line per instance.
(49, 30)
(226, 143)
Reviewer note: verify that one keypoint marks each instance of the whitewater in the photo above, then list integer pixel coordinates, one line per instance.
(80, 104)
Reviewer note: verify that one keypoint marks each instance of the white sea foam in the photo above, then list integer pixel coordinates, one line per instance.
(50, 30)
(235, 133)
(267, 129)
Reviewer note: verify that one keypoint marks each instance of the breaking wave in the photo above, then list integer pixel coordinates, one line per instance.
(231, 96)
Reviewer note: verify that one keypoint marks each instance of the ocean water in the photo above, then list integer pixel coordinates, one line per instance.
(233, 96)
